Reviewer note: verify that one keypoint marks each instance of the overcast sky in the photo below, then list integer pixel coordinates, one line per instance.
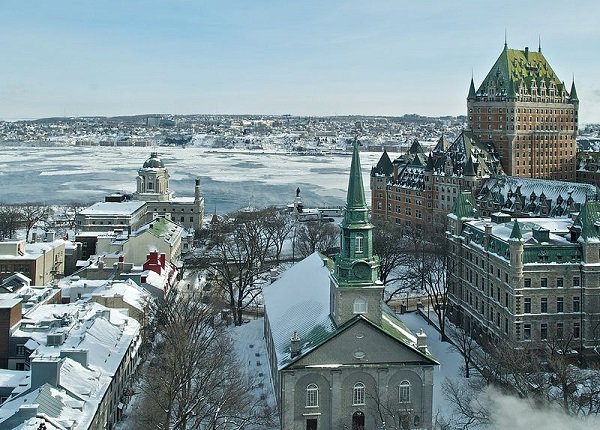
(274, 57)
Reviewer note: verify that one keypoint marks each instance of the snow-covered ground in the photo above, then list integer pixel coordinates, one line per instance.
(252, 355)
(450, 360)
(230, 180)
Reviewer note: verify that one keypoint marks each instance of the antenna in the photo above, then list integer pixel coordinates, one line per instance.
(505, 44)
(539, 44)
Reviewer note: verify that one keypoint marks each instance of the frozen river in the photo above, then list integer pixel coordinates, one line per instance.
(229, 180)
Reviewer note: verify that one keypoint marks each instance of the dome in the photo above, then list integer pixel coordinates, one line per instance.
(153, 162)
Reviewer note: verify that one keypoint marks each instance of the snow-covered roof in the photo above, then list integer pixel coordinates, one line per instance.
(113, 208)
(299, 302)
(558, 228)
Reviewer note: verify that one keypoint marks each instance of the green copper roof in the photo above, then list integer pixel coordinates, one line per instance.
(471, 95)
(356, 191)
(464, 206)
(516, 231)
(589, 218)
(516, 66)
(573, 95)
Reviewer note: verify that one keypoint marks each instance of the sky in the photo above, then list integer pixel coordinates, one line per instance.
(304, 57)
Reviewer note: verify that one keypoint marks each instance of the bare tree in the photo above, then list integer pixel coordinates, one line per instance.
(69, 213)
(429, 267)
(194, 381)
(10, 218)
(316, 236)
(465, 344)
(278, 225)
(32, 213)
(241, 248)
(392, 244)
(471, 406)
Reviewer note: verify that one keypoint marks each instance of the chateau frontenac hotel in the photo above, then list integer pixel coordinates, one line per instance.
(517, 154)
(526, 111)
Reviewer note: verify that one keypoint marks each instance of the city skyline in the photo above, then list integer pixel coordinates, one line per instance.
(386, 58)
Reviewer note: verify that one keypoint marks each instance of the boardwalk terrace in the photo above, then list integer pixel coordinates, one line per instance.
(527, 281)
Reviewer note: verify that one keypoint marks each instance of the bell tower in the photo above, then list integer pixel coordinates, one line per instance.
(153, 181)
(355, 287)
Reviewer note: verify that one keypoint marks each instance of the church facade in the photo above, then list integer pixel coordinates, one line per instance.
(339, 357)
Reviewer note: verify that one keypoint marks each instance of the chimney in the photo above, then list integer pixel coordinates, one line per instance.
(295, 349)
(78, 355)
(100, 264)
(197, 190)
(45, 370)
(163, 260)
(422, 341)
(28, 411)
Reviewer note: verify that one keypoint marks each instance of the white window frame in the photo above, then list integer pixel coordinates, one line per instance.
(404, 392)
(360, 306)
(358, 394)
(312, 396)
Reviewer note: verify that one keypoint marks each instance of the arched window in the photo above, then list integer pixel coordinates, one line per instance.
(358, 394)
(359, 244)
(404, 392)
(312, 396)
(360, 305)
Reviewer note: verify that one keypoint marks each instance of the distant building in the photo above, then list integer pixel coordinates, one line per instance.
(418, 189)
(526, 111)
(153, 188)
(528, 281)
(42, 262)
(339, 357)
(588, 167)
(122, 215)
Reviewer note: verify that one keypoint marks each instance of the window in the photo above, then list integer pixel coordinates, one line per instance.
(150, 185)
(559, 330)
(559, 304)
(312, 396)
(527, 283)
(360, 305)
(544, 283)
(404, 392)
(559, 282)
(576, 281)
(526, 331)
(527, 305)
(358, 394)
(576, 304)
(544, 331)
(576, 330)
(544, 305)
(359, 243)
(20, 350)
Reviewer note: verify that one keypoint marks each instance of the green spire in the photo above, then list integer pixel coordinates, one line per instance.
(356, 191)
(573, 94)
(472, 94)
(515, 234)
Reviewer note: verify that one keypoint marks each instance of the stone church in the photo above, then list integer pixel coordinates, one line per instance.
(339, 357)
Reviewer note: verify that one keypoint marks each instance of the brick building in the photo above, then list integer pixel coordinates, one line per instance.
(526, 111)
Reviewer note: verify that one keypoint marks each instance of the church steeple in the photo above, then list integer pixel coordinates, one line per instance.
(356, 288)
